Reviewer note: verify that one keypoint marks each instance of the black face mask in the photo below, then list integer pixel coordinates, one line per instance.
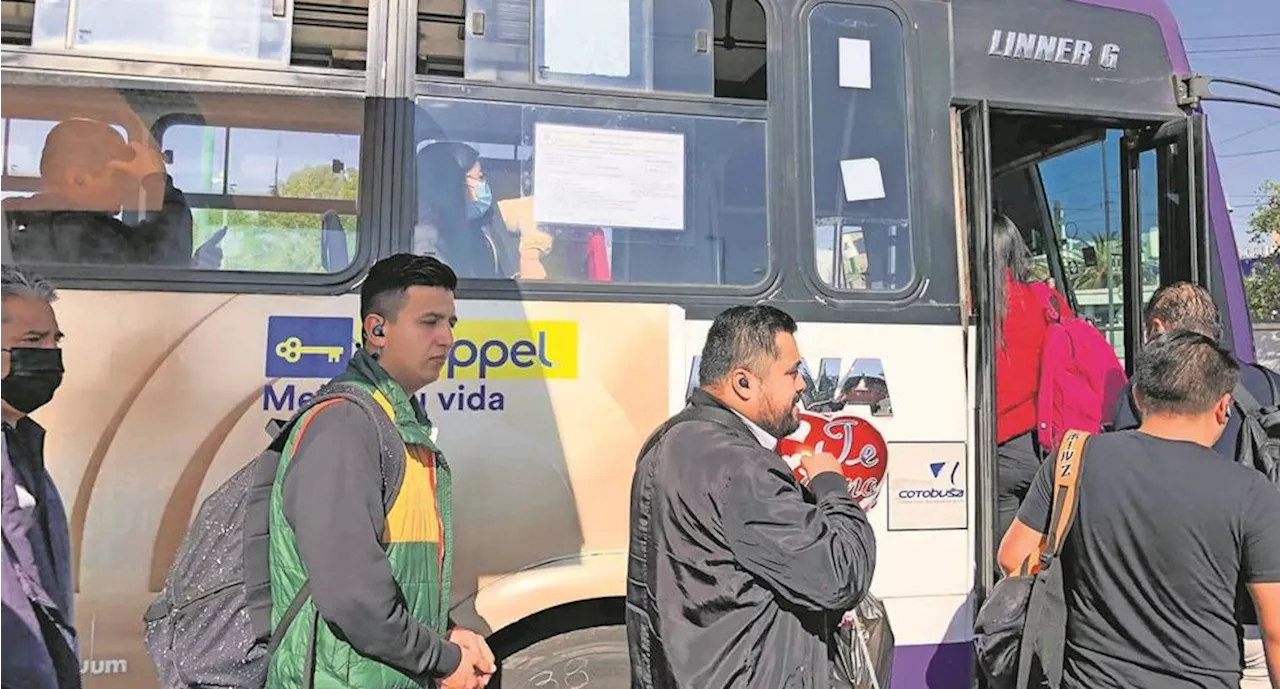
(34, 374)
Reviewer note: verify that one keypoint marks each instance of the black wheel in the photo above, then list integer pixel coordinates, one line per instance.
(594, 657)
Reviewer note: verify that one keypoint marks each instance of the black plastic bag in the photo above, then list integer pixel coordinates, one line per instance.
(864, 646)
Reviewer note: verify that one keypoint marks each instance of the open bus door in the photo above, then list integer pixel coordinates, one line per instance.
(1163, 238)
(1184, 245)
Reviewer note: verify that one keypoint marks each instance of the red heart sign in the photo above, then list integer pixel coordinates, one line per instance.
(854, 442)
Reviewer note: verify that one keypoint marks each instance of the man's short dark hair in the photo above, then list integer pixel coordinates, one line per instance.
(1184, 372)
(383, 290)
(741, 337)
(1183, 306)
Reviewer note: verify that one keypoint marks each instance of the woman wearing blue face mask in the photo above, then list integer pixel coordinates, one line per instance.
(457, 220)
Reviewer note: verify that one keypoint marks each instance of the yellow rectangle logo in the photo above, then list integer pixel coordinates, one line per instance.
(514, 350)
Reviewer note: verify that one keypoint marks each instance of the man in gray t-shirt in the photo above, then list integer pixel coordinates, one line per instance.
(1165, 531)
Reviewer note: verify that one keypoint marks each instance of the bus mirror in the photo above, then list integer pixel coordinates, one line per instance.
(168, 156)
(1090, 256)
(338, 166)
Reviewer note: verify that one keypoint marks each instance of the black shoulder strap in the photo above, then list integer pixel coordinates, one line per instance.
(1245, 400)
(1269, 376)
(295, 606)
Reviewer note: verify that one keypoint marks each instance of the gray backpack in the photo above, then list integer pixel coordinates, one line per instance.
(210, 625)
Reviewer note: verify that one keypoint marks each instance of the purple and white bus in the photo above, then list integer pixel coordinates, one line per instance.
(650, 163)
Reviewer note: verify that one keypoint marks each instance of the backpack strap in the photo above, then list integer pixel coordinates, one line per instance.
(1270, 377)
(1242, 398)
(302, 419)
(391, 461)
(1048, 301)
(291, 612)
(1066, 497)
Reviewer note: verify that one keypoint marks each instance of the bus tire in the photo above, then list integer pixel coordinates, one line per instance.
(595, 657)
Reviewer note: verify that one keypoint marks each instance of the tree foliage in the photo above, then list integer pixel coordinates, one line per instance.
(1102, 272)
(1263, 285)
(275, 241)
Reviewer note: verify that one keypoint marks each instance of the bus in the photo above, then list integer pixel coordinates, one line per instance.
(658, 163)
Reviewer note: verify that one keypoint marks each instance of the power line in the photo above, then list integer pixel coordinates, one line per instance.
(1220, 37)
(1250, 153)
(1229, 58)
(1248, 132)
(1249, 49)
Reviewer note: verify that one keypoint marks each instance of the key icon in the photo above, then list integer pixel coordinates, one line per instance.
(292, 349)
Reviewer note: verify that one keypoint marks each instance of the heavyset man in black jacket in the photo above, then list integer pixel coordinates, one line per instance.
(738, 575)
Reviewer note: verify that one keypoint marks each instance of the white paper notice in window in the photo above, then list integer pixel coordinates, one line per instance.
(862, 179)
(587, 37)
(855, 63)
(608, 177)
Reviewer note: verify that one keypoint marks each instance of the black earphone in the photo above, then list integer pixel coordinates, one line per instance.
(742, 383)
(377, 330)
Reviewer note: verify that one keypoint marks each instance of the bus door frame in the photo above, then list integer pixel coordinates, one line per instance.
(975, 133)
(1181, 217)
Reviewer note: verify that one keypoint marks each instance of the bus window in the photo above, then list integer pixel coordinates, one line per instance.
(1083, 192)
(858, 112)
(707, 47)
(22, 150)
(267, 32)
(268, 165)
(193, 180)
(583, 195)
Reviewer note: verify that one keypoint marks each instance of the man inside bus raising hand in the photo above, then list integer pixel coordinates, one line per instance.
(88, 175)
(738, 575)
(379, 575)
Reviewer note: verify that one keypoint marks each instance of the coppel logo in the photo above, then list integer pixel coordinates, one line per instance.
(946, 484)
(514, 350)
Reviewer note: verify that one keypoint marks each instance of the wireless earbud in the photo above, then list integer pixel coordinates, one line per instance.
(742, 383)
(377, 330)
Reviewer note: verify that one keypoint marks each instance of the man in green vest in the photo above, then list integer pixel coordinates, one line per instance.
(372, 536)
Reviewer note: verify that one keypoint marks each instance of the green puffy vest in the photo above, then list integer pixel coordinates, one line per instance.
(418, 540)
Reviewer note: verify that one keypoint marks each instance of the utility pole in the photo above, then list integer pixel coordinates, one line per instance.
(1106, 244)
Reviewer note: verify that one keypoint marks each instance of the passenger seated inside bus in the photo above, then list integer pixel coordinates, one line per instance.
(462, 220)
(89, 175)
(1020, 336)
(457, 220)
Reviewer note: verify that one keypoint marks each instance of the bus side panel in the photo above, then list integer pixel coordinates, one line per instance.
(923, 518)
(540, 414)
